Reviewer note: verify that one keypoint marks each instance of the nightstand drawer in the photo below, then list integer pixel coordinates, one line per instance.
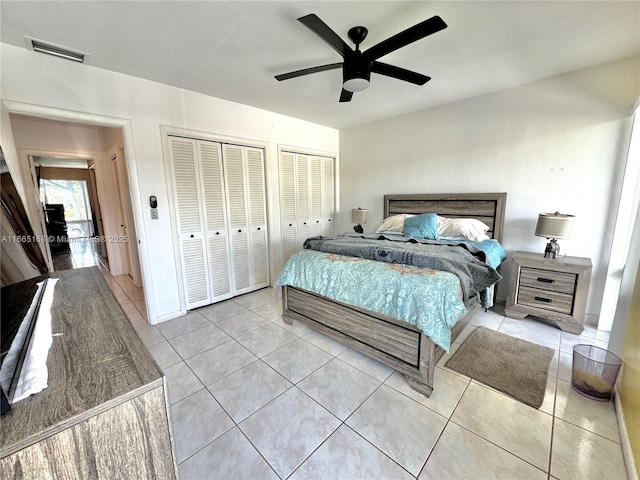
(547, 300)
(548, 280)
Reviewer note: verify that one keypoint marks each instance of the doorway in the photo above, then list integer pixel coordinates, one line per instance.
(93, 199)
(69, 202)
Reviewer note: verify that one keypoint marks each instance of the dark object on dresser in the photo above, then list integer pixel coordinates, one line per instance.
(5, 404)
(57, 229)
(23, 266)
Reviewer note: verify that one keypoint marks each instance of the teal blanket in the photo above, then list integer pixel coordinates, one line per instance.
(429, 299)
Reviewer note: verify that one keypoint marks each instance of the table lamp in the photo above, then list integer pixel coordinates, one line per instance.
(359, 216)
(554, 226)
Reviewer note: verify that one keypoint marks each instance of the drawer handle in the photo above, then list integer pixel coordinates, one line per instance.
(542, 299)
(546, 280)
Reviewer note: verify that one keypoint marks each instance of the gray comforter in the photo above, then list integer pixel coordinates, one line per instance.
(465, 261)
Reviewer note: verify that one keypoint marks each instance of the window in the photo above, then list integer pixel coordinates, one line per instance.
(74, 196)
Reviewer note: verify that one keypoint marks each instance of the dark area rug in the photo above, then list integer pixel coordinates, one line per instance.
(516, 367)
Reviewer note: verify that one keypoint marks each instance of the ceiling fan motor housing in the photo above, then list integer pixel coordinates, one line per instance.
(356, 73)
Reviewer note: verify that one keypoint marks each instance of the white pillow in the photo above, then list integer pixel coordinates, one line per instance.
(467, 228)
(394, 223)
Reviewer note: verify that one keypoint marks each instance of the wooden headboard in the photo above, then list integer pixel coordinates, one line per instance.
(487, 207)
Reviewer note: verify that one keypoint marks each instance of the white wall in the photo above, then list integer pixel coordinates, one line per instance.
(81, 91)
(556, 144)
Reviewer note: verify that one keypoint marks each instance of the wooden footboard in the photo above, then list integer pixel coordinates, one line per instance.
(393, 342)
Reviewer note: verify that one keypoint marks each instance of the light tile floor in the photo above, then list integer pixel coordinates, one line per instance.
(254, 398)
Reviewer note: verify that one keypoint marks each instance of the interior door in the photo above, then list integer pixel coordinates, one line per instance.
(123, 237)
(302, 199)
(288, 205)
(97, 212)
(238, 216)
(258, 233)
(190, 221)
(217, 231)
(328, 196)
(315, 203)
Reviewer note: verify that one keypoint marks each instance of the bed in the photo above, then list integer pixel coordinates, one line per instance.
(390, 340)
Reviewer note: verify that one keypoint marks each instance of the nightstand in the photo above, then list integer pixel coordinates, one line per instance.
(550, 288)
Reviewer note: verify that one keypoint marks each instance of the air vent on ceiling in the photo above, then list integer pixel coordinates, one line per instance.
(56, 50)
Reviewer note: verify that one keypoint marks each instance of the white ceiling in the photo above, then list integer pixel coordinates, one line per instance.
(233, 49)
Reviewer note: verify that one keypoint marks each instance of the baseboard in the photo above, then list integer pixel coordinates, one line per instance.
(170, 316)
(629, 462)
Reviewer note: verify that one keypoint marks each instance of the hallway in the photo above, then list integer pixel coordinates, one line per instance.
(83, 254)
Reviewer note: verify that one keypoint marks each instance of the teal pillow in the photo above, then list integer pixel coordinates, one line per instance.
(422, 226)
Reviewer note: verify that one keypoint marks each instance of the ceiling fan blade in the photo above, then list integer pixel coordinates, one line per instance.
(345, 96)
(399, 73)
(307, 71)
(410, 35)
(317, 26)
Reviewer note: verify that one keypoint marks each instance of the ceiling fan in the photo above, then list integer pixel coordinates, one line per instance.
(357, 66)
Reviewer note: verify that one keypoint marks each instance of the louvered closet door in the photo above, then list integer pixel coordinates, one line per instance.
(315, 200)
(216, 221)
(238, 217)
(259, 246)
(303, 211)
(190, 221)
(288, 205)
(328, 196)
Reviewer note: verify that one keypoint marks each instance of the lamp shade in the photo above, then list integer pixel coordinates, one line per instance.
(359, 215)
(554, 225)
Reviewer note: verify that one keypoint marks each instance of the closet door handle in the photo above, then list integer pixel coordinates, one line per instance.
(217, 233)
(290, 225)
(258, 228)
(192, 236)
(239, 231)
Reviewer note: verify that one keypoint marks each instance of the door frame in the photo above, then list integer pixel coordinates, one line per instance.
(52, 113)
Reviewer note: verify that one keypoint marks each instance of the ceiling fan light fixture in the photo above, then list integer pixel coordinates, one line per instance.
(356, 75)
(355, 84)
(357, 65)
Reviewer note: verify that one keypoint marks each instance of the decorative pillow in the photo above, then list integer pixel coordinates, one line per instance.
(422, 226)
(466, 228)
(393, 223)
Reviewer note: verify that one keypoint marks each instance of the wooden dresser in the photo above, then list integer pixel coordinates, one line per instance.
(105, 413)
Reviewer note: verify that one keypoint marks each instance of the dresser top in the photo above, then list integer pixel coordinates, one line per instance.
(96, 361)
(541, 262)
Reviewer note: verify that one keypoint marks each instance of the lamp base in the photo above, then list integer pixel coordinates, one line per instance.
(358, 229)
(552, 250)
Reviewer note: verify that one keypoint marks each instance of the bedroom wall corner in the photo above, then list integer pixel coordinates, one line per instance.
(557, 144)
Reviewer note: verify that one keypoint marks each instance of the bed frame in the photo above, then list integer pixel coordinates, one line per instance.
(396, 343)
